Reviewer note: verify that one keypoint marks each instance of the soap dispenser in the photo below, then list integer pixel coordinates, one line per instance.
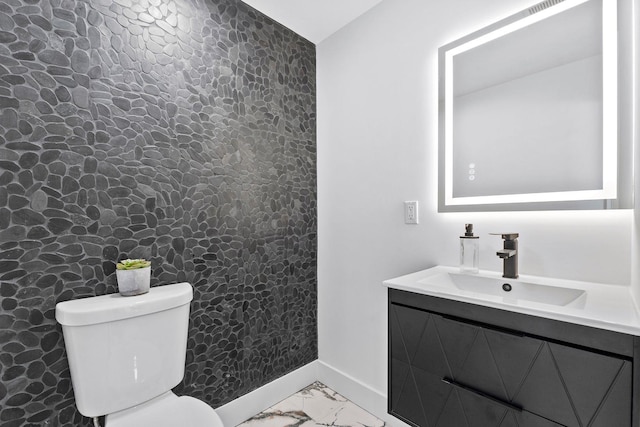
(469, 251)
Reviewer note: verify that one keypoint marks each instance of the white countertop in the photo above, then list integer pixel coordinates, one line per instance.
(602, 306)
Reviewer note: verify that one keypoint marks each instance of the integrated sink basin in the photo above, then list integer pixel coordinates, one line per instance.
(509, 289)
(599, 305)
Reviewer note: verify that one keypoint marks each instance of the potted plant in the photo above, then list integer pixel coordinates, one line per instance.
(134, 276)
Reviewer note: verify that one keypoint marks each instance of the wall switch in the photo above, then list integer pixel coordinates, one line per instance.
(411, 212)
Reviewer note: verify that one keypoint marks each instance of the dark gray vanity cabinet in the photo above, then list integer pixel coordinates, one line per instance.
(453, 364)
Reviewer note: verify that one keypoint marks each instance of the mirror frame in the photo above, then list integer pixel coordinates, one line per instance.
(617, 123)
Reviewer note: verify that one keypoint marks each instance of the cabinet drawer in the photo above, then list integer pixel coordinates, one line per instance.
(442, 368)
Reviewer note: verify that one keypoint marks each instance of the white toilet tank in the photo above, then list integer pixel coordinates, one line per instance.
(124, 351)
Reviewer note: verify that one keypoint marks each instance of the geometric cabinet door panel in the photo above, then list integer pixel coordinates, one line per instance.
(449, 372)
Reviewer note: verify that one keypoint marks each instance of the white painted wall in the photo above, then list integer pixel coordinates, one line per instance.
(635, 271)
(377, 146)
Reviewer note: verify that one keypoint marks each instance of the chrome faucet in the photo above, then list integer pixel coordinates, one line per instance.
(509, 255)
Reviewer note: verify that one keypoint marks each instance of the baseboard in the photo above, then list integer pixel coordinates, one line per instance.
(363, 395)
(245, 407)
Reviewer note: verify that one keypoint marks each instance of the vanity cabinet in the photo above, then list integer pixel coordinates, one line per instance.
(453, 364)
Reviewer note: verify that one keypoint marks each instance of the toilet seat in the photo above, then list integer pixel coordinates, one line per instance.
(167, 410)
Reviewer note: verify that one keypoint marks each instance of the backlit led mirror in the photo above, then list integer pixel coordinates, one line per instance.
(534, 111)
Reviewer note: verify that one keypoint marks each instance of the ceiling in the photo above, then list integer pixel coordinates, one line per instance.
(314, 20)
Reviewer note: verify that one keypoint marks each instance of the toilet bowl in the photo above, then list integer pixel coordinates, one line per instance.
(126, 354)
(167, 410)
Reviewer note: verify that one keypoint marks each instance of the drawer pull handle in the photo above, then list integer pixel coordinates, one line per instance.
(481, 394)
(484, 326)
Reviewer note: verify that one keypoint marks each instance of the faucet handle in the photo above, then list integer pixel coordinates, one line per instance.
(506, 236)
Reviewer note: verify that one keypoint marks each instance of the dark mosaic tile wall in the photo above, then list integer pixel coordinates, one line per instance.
(178, 130)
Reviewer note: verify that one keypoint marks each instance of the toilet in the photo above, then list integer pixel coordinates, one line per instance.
(127, 353)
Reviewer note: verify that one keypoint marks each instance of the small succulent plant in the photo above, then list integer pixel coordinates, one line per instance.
(132, 264)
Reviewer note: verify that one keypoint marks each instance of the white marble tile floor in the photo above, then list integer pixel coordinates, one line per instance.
(315, 405)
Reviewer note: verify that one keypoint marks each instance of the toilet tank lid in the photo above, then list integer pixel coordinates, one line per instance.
(108, 308)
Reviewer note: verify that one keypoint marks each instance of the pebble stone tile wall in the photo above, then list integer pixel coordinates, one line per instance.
(178, 130)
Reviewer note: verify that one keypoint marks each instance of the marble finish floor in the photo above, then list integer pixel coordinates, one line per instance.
(315, 405)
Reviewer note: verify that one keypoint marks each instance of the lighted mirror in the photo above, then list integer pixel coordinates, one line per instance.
(529, 111)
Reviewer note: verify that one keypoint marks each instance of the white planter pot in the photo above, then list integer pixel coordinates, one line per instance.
(134, 282)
